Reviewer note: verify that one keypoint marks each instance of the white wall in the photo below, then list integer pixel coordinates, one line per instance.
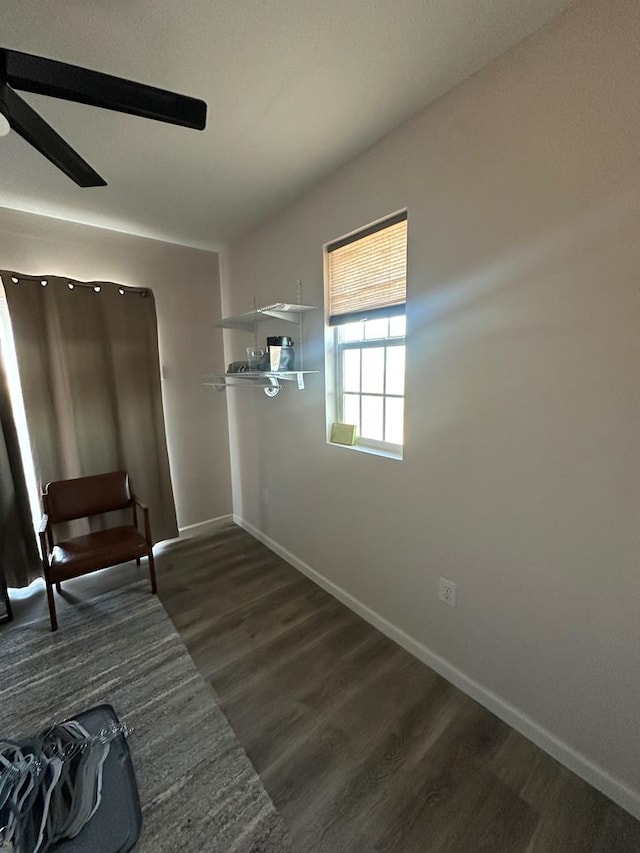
(186, 286)
(521, 476)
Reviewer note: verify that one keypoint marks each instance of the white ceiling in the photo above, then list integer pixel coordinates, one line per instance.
(295, 88)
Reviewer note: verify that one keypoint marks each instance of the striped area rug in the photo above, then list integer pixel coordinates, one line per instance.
(199, 791)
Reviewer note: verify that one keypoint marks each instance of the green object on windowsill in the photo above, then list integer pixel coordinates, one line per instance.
(343, 434)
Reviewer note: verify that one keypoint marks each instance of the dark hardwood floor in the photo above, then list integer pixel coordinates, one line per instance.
(362, 748)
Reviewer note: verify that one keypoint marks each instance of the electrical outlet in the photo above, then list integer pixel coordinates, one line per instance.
(447, 592)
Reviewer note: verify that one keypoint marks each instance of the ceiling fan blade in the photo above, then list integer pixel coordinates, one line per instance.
(60, 80)
(35, 130)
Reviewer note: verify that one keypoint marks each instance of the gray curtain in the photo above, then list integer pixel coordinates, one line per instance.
(90, 374)
(19, 559)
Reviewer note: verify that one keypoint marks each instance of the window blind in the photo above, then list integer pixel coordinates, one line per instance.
(368, 272)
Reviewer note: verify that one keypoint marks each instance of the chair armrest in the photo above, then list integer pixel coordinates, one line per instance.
(44, 533)
(147, 523)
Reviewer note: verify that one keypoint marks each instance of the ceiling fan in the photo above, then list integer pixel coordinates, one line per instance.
(72, 83)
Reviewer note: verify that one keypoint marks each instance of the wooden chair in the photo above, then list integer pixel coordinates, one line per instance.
(66, 500)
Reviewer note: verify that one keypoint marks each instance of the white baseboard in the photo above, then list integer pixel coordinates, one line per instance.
(202, 526)
(571, 758)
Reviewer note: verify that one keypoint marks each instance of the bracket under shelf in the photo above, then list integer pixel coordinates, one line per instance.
(269, 382)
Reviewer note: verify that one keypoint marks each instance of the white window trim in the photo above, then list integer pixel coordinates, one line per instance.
(333, 391)
(374, 445)
(394, 452)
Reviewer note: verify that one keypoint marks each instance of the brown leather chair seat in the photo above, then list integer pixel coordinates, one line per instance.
(73, 557)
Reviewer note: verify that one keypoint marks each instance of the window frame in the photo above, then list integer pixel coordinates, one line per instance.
(368, 343)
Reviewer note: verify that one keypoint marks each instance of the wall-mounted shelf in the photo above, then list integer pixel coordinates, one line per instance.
(269, 382)
(287, 311)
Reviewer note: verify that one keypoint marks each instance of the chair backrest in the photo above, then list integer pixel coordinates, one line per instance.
(65, 500)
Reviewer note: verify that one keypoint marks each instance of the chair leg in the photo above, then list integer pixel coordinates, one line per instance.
(58, 588)
(137, 561)
(4, 595)
(52, 606)
(152, 573)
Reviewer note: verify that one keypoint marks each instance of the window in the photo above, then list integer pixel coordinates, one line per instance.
(367, 295)
(370, 358)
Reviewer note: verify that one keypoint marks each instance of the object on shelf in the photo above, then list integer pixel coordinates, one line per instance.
(281, 357)
(257, 358)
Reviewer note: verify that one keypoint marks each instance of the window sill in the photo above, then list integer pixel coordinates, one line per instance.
(386, 453)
